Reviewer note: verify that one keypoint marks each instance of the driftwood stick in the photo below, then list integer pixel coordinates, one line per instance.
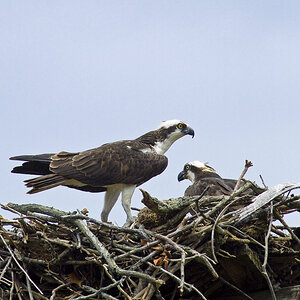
(182, 263)
(11, 292)
(262, 200)
(243, 234)
(294, 236)
(248, 164)
(264, 265)
(263, 182)
(145, 259)
(5, 268)
(142, 248)
(58, 288)
(214, 227)
(200, 196)
(277, 231)
(107, 225)
(169, 205)
(204, 259)
(100, 292)
(97, 293)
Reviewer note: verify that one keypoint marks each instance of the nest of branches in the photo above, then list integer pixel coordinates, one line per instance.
(183, 248)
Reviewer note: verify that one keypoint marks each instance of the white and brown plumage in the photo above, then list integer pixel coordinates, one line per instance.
(116, 168)
(202, 176)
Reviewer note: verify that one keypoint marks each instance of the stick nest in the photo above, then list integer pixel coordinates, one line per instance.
(184, 248)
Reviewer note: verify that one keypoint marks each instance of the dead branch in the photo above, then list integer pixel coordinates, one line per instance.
(264, 265)
(248, 164)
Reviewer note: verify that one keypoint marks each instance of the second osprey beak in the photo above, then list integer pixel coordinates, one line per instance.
(181, 176)
(190, 131)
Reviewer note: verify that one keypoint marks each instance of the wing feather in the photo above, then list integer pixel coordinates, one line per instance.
(118, 162)
(216, 186)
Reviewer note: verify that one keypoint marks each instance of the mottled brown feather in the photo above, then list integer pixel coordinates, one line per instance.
(216, 186)
(108, 164)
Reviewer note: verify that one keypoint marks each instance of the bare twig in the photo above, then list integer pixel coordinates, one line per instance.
(58, 288)
(16, 261)
(182, 263)
(201, 195)
(264, 265)
(106, 225)
(126, 296)
(176, 246)
(214, 227)
(294, 236)
(248, 164)
(263, 182)
(186, 285)
(5, 268)
(96, 293)
(11, 292)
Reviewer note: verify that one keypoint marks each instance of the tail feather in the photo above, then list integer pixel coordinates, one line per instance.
(34, 164)
(46, 157)
(43, 183)
(33, 168)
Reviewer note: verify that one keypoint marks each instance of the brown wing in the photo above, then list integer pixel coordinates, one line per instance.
(216, 186)
(118, 162)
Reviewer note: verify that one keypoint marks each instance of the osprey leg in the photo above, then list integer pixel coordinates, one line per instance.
(111, 196)
(126, 201)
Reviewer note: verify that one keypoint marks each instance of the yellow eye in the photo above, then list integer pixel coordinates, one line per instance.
(180, 125)
(187, 167)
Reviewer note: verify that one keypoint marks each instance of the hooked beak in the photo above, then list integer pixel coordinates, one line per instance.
(181, 176)
(189, 131)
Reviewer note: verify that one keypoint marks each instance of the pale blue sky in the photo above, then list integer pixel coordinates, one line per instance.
(77, 74)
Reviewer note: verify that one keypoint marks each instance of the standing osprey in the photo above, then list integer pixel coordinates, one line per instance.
(202, 175)
(114, 167)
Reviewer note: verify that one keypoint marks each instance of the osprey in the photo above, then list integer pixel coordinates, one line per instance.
(114, 167)
(202, 175)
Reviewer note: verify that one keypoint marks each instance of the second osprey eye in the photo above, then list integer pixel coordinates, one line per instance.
(187, 167)
(180, 125)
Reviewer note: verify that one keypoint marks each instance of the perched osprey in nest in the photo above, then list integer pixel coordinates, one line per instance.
(202, 175)
(114, 167)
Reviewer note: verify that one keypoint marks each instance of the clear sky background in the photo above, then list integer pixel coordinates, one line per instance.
(77, 74)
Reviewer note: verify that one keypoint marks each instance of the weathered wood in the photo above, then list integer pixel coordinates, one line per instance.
(264, 198)
(170, 205)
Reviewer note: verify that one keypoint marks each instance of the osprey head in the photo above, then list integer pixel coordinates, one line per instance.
(195, 169)
(170, 131)
(176, 128)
